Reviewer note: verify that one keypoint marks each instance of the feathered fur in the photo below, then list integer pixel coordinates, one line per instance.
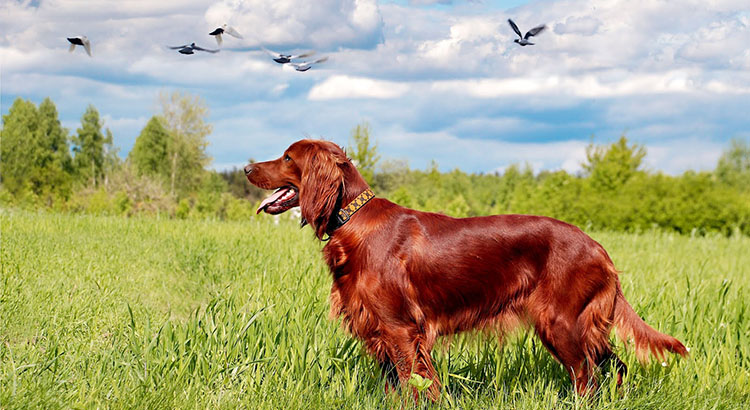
(402, 277)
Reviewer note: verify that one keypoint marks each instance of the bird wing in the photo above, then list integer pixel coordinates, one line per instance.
(204, 49)
(271, 53)
(177, 47)
(218, 38)
(232, 32)
(307, 54)
(534, 31)
(515, 27)
(71, 48)
(320, 60)
(87, 46)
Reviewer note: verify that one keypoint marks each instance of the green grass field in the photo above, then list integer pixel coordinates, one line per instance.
(148, 313)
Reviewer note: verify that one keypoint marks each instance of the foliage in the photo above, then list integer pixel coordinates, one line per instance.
(149, 154)
(363, 154)
(35, 154)
(109, 312)
(610, 166)
(610, 196)
(92, 149)
(734, 165)
(239, 187)
(166, 174)
(185, 121)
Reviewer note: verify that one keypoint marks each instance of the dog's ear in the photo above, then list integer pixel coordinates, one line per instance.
(322, 180)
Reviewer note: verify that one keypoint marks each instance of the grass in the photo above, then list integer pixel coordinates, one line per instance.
(149, 313)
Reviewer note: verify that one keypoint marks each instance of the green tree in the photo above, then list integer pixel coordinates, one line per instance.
(185, 120)
(53, 173)
(112, 161)
(610, 166)
(149, 155)
(20, 126)
(364, 155)
(35, 153)
(734, 165)
(91, 148)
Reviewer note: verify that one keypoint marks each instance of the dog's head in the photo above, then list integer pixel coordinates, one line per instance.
(315, 175)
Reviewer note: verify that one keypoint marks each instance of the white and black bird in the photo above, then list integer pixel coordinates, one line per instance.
(225, 29)
(286, 58)
(306, 65)
(524, 40)
(80, 41)
(191, 48)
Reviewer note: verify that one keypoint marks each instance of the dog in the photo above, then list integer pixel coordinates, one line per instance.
(402, 277)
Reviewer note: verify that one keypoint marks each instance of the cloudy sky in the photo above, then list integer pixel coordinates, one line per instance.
(437, 80)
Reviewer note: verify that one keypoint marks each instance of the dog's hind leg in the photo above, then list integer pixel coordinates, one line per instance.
(608, 357)
(409, 351)
(563, 341)
(389, 374)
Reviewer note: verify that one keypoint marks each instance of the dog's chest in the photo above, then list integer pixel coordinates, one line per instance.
(337, 255)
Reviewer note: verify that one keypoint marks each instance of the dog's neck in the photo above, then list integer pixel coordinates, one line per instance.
(354, 184)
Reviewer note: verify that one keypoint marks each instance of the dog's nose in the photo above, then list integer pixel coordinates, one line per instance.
(248, 169)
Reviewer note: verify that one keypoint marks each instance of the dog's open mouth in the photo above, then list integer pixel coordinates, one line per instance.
(283, 199)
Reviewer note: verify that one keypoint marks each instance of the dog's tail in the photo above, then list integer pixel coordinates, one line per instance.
(630, 326)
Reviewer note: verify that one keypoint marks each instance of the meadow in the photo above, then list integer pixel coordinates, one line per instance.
(143, 312)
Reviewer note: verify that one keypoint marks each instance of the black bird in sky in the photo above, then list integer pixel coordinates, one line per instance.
(222, 30)
(80, 41)
(190, 48)
(285, 58)
(524, 40)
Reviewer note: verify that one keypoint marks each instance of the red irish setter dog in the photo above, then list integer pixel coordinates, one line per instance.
(401, 277)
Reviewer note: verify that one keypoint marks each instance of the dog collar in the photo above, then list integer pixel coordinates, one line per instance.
(346, 212)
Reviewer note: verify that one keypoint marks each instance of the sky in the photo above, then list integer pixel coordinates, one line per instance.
(436, 80)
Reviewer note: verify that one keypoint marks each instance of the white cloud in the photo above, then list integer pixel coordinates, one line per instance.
(429, 2)
(342, 86)
(590, 86)
(677, 156)
(484, 155)
(585, 26)
(435, 75)
(320, 23)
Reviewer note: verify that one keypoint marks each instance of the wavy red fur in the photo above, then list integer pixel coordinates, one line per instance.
(402, 277)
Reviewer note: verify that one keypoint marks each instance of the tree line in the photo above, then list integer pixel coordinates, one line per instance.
(165, 173)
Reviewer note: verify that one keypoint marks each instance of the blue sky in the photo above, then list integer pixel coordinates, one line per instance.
(436, 80)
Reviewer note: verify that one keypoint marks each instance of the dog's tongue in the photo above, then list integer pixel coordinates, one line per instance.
(271, 199)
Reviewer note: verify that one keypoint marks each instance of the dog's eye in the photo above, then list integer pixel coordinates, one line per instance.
(287, 158)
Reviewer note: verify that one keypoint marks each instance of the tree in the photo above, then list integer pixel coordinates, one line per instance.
(185, 120)
(112, 161)
(149, 155)
(734, 165)
(19, 128)
(610, 166)
(54, 168)
(35, 153)
(364, 155)
(91, 147)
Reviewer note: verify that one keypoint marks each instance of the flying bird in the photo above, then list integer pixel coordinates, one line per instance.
(80, 41)
(306, 65)
(524, 40)
(222, 30)
(286, 58)
(190, 48)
